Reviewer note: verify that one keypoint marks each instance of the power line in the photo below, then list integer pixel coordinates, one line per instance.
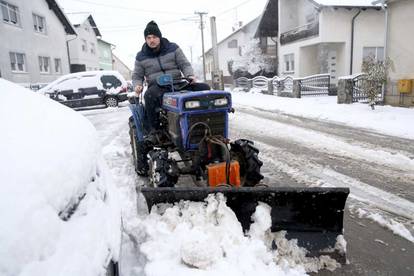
(230, 9)
(129, 8)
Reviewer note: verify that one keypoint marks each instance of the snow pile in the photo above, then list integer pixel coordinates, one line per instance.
(205, 238)
(58, 206)
(385, 119)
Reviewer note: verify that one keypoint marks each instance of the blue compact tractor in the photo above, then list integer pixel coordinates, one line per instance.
(193, 139)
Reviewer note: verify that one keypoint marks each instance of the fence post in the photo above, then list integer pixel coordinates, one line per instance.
(296, 88)
(249, 84)
(270, 87)
(345, 87)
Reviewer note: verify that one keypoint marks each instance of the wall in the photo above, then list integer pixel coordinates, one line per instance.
(368, 31)
(25, 40)
(400, 50)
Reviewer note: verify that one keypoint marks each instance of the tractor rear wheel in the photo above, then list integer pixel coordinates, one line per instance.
(163, 171)
(246, 154)
(139, 151)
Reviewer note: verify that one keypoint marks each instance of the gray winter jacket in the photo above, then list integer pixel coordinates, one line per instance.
(170, 59)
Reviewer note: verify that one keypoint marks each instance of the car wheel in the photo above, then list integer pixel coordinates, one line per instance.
(111, 101)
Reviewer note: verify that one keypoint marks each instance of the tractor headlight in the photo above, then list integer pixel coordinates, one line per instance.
(221, 102)
(192, 104)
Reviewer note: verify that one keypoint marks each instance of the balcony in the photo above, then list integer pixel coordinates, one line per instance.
(302, 32)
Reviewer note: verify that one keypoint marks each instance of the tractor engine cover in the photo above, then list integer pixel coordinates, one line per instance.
(190, 114)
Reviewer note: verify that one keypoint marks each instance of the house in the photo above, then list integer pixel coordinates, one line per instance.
(328, 36)
(105, 54)
(399, 48)
(83, 50)
(119, 66)
(33, 37)
(230, 48)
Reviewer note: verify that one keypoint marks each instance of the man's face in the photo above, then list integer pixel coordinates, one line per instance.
(152, 41)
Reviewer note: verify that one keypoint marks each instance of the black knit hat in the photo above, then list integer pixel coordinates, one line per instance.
(152, 29)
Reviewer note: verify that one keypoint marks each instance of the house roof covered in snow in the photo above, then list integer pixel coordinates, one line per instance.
(346, 3)
(61, 16)
(78, 19)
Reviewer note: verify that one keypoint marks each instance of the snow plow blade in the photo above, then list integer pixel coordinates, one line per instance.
(313, 216)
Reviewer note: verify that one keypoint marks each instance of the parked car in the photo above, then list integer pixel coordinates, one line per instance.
(59, 206)
(88, 88)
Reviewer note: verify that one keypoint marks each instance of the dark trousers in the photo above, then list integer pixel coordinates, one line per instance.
(153, 100)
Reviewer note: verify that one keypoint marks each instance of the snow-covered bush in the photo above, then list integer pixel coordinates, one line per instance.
(375, 77)
(251, 62)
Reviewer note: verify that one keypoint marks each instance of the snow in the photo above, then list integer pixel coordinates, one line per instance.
(384, 119)
(195, 238)
(396, 227)
(87, 79)
(58, 206)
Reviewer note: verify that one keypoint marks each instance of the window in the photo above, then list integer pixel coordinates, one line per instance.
(10, 13)
(84, 45)
(289, 62)
(92, 48)
(58, 65)
(376, 52)
(17, 62)
(44, 64)
(39, 24)
(232, 43)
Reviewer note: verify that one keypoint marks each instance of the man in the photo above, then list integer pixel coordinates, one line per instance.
(159, 56)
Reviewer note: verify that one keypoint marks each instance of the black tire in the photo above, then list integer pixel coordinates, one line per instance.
(112, 269)
(139, 151)
(163, 172)
(111, 101)
(246, 154)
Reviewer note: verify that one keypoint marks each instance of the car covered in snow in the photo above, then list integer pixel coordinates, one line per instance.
(89, 88)
(59, 208)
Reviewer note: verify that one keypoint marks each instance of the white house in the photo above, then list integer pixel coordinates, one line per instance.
(400, 50)
(33, 37)
(83, 50)
(328, 36)
(230, 48)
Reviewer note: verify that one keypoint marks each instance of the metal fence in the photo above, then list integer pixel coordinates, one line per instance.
(261, 83)
(358, 94)
(242, 82)
(284, 85)
(316, 85)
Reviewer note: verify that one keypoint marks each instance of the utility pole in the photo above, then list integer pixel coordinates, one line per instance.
(201, 14)
(191, 54)
(214, 43)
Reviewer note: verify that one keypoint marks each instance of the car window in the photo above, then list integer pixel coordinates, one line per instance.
(110, 81)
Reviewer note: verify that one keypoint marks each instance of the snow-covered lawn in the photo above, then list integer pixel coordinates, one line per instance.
(396, 121)
(59, 209)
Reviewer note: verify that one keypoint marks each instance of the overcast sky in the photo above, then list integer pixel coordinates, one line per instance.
(122, 22)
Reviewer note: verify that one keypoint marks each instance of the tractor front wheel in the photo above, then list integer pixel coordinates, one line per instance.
(163, 171)
(246, 154)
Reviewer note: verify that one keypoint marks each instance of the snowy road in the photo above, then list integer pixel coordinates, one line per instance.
(379, 170)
